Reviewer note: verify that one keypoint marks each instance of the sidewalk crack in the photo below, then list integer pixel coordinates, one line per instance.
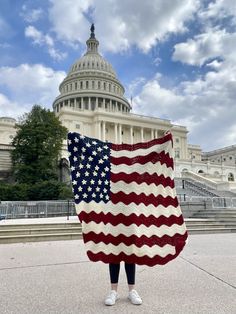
(202, 269)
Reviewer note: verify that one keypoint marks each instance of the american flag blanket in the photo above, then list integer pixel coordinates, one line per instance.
(126, 200)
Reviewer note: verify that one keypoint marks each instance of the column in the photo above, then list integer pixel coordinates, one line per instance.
(89, 103)
(103, 130)
(120, 133)
(116, 106)
(99, 129)
(116, 140)
(141, 134)
(103, 103)
(82, 103)
(110, 105)
(96, 105)
(131, 135)
(155, 133)
(152, 134)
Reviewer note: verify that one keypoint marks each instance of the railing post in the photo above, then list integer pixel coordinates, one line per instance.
(68, 209)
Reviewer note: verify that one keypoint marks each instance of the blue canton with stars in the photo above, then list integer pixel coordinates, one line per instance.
(90, 168)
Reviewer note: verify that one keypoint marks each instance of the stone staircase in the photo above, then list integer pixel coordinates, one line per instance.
(204, 221)
(39, 232)
(212, 221)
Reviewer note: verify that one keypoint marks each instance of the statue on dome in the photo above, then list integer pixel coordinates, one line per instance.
(92, 29)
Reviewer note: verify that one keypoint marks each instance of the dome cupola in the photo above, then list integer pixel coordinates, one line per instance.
(92, 82)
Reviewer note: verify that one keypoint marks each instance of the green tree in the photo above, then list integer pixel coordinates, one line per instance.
(37, 146)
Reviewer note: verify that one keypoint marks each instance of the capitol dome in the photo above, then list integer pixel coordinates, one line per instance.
(92, 83)
(92, 61)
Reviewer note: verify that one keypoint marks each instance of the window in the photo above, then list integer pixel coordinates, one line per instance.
(177, 140)
(87, 84)
(177, 155)
(109, 87)
(81, 85)
(77, 126)
(75, 85)
(99, 85)
(93, 85)
(104, 85)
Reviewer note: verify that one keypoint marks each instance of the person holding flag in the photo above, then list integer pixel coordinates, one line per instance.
(126, 201)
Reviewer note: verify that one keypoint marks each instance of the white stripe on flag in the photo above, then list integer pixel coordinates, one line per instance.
(133, 229)
(142, 188)
(149, 168)
(131, 249)
(119, 208)
(158, 148)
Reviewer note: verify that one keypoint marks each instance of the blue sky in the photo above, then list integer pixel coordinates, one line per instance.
(175, 58)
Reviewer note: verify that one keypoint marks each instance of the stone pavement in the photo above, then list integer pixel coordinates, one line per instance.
(57, 277)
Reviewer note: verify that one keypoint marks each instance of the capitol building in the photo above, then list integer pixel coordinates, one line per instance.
(92, 102)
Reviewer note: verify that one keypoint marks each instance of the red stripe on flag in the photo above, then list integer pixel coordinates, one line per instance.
(154, 157)
(132, 147)
(132, 219)
(141, 178)
(143, 260)
(176, 239)
(143, 198)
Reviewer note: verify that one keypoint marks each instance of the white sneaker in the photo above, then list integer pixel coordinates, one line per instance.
(134, 297)
(111, 298)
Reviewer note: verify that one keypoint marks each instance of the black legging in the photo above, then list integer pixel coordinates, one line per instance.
(114, 270)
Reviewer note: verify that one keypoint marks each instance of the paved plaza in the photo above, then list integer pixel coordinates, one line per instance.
(57, 277)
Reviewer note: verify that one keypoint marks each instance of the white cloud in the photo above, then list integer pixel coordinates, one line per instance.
(135, 85)
(206, 106)
(27, 85)
(121, 24)
(44, 40)
(9, 108)
(206, 46)
(31, 15)
(68, 19)
(219, 9)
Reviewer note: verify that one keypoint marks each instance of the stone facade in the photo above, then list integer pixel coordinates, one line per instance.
(226, 155)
